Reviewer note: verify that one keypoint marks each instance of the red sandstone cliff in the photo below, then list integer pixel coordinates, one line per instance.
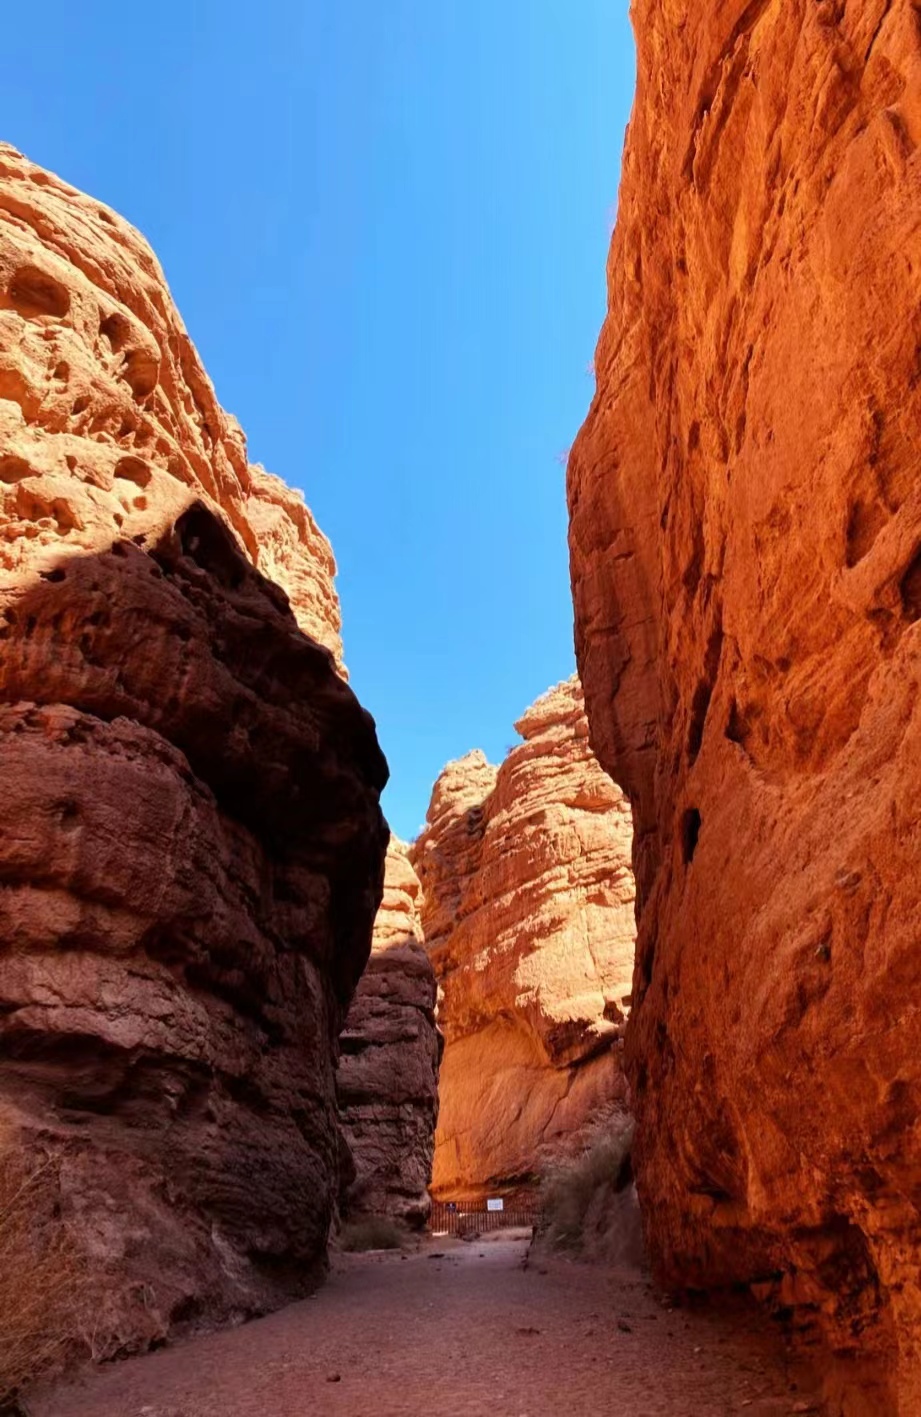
(528, 917)
(745, 531)
(388, 1069)
(191, 845)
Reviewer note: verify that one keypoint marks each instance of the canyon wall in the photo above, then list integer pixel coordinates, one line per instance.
(388, 1068)
(745, 534)
(528, 917)
(191, 843)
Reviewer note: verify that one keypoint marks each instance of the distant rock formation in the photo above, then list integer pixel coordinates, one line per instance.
(528, 918)
(191, 844)
(388, 1069)
(745, 534)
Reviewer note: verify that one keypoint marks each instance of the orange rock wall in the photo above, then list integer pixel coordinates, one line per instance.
(528, 917)
(191, 843)
(745, 532)
(390, 1052)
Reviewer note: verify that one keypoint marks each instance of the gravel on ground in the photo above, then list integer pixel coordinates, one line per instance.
(476, 1329)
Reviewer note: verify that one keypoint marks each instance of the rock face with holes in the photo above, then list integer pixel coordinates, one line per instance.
(191, 844)
(745, 525)
(528, 917)
(388, 1068)
(107, 417)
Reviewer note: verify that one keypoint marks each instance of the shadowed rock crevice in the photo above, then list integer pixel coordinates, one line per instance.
(388, 1069)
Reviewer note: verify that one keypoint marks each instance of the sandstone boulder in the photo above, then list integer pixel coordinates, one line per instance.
(191, 844)
(745, 532)
(390, 1052)
(528, 918)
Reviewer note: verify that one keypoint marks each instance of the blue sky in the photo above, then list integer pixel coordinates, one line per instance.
(385, 223)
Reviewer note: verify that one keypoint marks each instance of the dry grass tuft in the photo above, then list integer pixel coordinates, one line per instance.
(373, 1232)
(588, 1204)
(39, 1273)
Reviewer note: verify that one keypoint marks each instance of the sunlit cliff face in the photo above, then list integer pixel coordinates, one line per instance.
(528, 918)
(743, 538)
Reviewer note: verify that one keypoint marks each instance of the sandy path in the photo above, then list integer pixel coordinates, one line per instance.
(472, 1334)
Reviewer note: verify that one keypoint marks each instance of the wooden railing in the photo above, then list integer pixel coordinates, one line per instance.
(478, 1218)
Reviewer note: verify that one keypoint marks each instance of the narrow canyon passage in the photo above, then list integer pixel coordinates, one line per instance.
(660, 950)
(466, 1330)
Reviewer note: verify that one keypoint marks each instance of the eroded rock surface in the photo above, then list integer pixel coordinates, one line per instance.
(745, 525)
(191, 844)
(528, 917)
(390, 1052)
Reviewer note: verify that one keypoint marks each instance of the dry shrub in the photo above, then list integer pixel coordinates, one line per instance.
(588, 1203)
(467, 1228)
(372, 1232)
(39, 1273)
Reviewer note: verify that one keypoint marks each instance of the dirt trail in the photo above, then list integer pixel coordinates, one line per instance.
(471, 1334)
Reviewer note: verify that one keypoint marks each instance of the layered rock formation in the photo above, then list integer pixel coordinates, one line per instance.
(191, 844)
(745, 532)
(528, 917)
(390, 1052)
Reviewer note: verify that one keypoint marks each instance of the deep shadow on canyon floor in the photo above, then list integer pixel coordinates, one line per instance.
(465, 1330)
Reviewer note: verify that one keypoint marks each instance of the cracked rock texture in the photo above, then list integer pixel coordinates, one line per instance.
(191, 844)
(528, 917)
(745, 533)
(390, 1052)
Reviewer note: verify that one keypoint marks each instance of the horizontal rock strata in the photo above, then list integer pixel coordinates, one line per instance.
(191, 844)
(390, 1052)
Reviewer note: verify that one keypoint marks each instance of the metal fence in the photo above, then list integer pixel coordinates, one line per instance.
(476, 1218)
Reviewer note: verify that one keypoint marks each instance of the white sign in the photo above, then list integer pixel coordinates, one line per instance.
(495, 1205)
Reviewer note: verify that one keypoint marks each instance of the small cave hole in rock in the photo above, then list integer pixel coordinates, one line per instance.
(141, 372)
(117, 330)
(737, 727)
(64, 515)
(207, 541)
(699, 706)
(865, 521)
(33, 292)
(910, 589)
(690, 834)
(14, 469)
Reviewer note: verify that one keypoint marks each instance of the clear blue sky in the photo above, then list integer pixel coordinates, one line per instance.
(385, 223)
